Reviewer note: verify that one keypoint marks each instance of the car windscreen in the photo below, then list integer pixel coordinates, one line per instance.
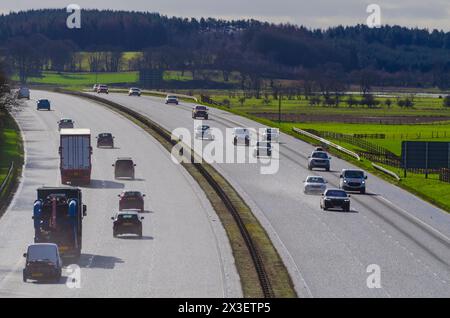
(132, 194)
(336, 193)
(315, 180)
(264, 145)
(104, 136)
(172, 97)
(354, 174)
(127, 217)
(200, 108)
(320, 155)
(41, 252)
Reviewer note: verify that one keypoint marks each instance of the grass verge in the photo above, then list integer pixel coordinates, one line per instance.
(11, 150)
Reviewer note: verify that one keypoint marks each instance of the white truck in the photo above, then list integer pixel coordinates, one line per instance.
(75, 153)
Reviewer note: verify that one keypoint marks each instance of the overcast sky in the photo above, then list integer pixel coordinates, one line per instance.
(312, 13)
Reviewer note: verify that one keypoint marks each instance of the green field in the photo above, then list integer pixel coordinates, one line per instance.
(424, 106)
(9, 145)
(83, 79)
(395, 134)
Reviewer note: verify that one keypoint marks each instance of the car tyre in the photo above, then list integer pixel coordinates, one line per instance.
(363, 191)
(24, 276)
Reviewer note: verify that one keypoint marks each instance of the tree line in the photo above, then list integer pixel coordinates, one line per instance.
(331, 59)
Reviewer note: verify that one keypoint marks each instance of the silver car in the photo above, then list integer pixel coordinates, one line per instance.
(314, 184)
(241, 135)
(271, 134)
(263, 148)
(203, 132)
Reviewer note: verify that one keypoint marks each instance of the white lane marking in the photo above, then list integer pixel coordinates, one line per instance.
(418, 220)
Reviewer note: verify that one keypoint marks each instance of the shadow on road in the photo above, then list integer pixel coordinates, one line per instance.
(104, 184)
(134, 237)
(98, 261)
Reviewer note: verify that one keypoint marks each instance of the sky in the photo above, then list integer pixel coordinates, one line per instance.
(431, 14)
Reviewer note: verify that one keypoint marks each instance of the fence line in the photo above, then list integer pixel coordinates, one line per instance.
(327, 142)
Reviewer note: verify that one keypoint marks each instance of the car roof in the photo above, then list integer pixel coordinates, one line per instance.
(104, 133)
(335, 189)
(124, 158)
(314, 177)
(43, 244)
(352, 170)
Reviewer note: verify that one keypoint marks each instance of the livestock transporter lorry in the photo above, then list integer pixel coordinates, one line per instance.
(75, 153)
(58, 214)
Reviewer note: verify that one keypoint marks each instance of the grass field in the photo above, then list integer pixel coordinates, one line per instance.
(395, 134)
(84, 79)
(424, 106)
(9, 145)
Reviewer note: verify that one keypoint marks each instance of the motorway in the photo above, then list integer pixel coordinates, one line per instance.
(184, 251)
(328, 254)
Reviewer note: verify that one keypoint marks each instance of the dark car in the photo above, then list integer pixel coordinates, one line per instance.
(127, 222)
(200, 111)
(43, 104)
(335, 198)
(124, 168)
(105, 140)
(353, 180)
(319, 159)
(66, 123)
(42, 262)
(131, 200)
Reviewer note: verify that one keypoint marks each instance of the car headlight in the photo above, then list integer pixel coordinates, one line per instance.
(345, 181)
(363, 182)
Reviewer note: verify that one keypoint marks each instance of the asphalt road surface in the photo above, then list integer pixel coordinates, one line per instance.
(184, 251)
(331, 254)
